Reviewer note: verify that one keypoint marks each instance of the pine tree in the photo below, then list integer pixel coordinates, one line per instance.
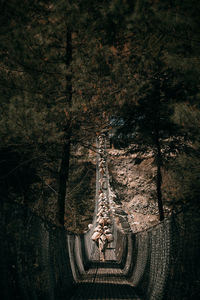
(153, 84)
(45, 84)
(41, 77)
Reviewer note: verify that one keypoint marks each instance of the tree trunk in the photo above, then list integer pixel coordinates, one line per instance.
(157, 110)
(159, 176)
(63, 178)
(64, 167)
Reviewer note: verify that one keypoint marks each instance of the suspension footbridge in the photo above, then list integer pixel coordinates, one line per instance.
(39, 260)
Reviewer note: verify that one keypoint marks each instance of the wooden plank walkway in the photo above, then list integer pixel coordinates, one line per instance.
(109, 254)
(105, 291)
(105, 281)
(104, 275)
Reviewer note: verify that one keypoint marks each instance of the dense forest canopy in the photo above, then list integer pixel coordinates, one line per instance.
(69, 67)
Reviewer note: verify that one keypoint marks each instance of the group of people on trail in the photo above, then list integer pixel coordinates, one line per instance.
(102, 233)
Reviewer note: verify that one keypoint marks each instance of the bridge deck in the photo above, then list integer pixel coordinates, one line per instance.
(104, 275)
(105, 291)
(104, 279)
(109, 254)
(104, 282)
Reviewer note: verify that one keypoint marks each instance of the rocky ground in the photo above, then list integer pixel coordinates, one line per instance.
(132, 177)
